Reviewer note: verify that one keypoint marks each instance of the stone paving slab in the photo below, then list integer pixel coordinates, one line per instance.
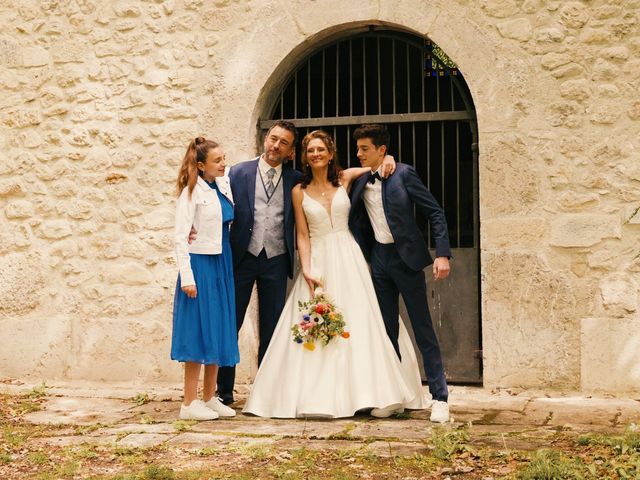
(252, 426)
(67, 440)
(326, 428)
(584, 411)
(143, 440)
(80, 411)
(393, 429)
(473, 399)
(199, 440)
(140, 428)
(391, 449)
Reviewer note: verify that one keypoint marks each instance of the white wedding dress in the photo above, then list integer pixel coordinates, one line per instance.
(347, 375)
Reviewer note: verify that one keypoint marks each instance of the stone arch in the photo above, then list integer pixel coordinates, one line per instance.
(461, 333)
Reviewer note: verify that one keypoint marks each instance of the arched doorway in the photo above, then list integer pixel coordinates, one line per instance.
(406, 82)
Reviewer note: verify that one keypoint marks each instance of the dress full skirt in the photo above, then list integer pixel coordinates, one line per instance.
(347, 375)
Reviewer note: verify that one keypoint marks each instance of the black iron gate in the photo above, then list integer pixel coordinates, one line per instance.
(407, 83)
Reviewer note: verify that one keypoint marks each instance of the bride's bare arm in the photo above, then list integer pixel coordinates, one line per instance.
(302, 237)
(350, 174)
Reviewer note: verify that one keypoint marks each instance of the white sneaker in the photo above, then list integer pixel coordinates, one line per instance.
(197, 410)
(220, 408)
(439, 412)
(387, 411)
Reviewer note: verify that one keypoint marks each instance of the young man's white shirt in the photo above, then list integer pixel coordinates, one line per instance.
(372, 197)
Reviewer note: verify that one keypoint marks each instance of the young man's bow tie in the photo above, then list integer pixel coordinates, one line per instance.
(374, 176)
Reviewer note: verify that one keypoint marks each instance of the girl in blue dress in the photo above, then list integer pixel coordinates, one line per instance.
(204, 323)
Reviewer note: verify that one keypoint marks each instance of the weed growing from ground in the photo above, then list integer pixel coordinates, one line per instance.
(38, 392)
(449, 443)
(141, 398)
(551, 465)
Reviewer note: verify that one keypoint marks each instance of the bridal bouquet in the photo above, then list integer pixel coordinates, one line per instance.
(321, 321)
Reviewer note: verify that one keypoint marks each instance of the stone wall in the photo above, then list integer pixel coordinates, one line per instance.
(99, 99)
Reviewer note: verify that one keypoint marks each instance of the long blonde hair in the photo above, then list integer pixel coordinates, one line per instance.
(197, 151)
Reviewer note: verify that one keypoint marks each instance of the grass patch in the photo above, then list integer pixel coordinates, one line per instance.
(129, 456)
(624, 444)
(67, 469)
(208, 451)
(419, 462)
(449, 443)
(257, 451)
(184, 425)
(38, 458)
(548, 464)
(12, 438)
(38, 392)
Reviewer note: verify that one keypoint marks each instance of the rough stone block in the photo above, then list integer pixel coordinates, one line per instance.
(517, 29)
(19, 209)
(514, 233)
(575, 90)
(39, 347)
(554, 60)
(160, 219)
(529, 319)
(619, 293)
(618, 53)
(55, 229)
(115, 343)
(10, 188)
(574, 14)
(584, 230)
(129, 274)
(610, 355)
(35, 57)
(22, 278)
(578, 201)
(500, 8)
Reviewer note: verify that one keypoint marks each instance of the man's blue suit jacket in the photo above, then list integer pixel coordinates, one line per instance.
(243, 187)
(400, 192)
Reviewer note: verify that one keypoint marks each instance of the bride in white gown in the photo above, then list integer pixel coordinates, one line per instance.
(347, 375)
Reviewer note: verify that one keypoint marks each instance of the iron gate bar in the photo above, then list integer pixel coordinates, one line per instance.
(458, 178)
(406, 47)
(323, 79)
(390, 118)
(309, 87)
(442, 167)
(337, 78)
(364, 78)
(393, 71)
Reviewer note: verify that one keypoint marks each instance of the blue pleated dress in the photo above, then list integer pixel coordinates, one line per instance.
(204, 328)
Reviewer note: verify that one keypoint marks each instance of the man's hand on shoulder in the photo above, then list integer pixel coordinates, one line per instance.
(441, 268)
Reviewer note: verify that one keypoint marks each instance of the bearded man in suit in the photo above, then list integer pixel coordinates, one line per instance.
(262, 236)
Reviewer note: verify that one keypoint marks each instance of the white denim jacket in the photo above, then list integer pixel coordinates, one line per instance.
(204, 212)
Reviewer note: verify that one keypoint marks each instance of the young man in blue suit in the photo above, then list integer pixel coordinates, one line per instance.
(262, 236)
(383, 223)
